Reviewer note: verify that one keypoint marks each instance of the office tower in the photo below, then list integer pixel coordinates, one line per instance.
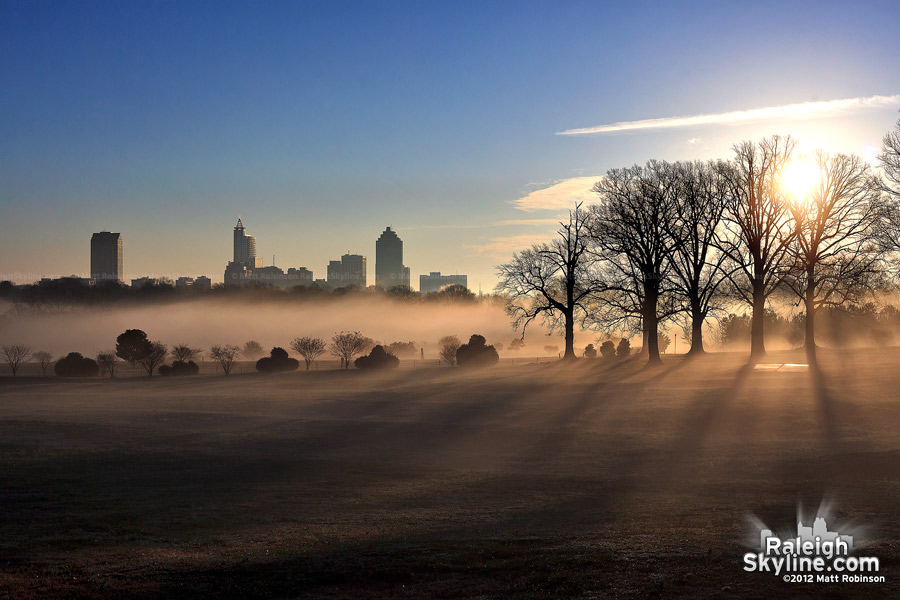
(435, 282)
(245, 247)
(106, 256)
(350, 270)
(389, 269)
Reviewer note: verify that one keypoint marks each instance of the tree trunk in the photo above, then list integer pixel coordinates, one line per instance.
(757, 324)
(651, 326)
(810, 329)
(570, 335)
(697, 319)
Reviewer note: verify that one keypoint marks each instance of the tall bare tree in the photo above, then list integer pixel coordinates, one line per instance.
(698, 265)
(552, 281)
(890, 162)
(15, 355)
(758, 219)
(836, 253)
(631, 233)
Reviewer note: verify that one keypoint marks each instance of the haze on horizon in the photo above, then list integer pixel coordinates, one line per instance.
(469, 128)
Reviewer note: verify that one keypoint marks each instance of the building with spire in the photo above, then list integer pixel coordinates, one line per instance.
(247, 268)
(389, 269)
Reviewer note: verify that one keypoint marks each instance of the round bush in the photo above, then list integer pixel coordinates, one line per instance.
(378, 358)
(76, 365)
(179, 367)
(476, 353)
(278, 360)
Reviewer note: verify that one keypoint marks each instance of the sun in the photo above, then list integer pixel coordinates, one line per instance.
(799, 178)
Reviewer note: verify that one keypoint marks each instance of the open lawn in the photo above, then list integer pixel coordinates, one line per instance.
(522, 481)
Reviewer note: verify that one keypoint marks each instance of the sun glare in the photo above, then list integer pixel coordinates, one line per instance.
(799, 178)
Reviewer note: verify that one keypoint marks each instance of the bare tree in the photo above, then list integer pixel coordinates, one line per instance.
(835, 250)
(345, 345)
(449, 344)
(155, 356)
(44, 359)
(758, 218)
(15, 355)
(184, 353)
(552, 281)
(309, 348)
(890, 162)
(108, 362)
(697, 263)
(252, 350)
(226, 355)
(631, 232)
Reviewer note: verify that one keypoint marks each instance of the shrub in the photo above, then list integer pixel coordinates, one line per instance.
(132, 345)
(398, 349)
(624, 349)
(476, 353)
(278, 360)
(180, 367)
(76, 365)
(590, 351)
(607, 349)
(378, 358)
(449, 344)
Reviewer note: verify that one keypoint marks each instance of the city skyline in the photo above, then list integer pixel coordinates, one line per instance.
(470, 128)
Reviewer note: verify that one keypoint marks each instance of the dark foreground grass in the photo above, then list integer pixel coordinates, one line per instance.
(536, 481)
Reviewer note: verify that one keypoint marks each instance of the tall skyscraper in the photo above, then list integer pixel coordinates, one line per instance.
(106, 256)
(389, 269)
(245, 247)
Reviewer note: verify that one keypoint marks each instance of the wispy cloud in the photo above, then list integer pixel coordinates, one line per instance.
(503, 247)
(562, 195)
(803, 110)
(529, 222)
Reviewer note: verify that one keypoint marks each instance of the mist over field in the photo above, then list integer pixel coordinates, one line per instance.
(202, 323)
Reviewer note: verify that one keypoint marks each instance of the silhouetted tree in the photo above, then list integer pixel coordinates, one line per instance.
(698, 268)
(252, 350)
(309, 348)
(590, 351)
(632, 232)
(623, 350)
(516, 345)
(761, 231)
(378, 358)
(399, 349)
(551, 349)
(132, 346)
(663, 341)
(108, 362)
(184, 353)
(15, 355)
(345, 345)
(44, 359)
(76, 365)
(454, 294)
(890, 163)
(179, 368)
(476, 353)
(607, 349)
(155, 356)
(552, 281)
(835, 250)
(226, 355)
(449, 344)
(278, 360)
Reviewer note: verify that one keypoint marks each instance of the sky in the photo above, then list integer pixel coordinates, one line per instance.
(469, 127)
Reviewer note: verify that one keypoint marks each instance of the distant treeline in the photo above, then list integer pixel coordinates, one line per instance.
(71, 291)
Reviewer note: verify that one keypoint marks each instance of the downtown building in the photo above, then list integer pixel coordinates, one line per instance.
(389, 269)
(247, 268)
(435, 282)
(106, 257)
(347, 272)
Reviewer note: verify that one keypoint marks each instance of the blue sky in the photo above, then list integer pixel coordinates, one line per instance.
(323, 122)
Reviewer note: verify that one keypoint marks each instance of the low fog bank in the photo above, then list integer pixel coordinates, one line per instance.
(204, 323)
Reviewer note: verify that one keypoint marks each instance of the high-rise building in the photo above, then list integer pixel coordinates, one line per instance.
(247, 268)
(106, 256)
(389, 269)
(350, 270)
(245, 247)
(435, 282)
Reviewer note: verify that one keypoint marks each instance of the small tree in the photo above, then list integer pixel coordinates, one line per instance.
(663, 340)
(225, 355)
(132, 346)
(607, 349)
(345, 345)
(44, 359)
(378, 358)
(155, 356)
(184, 353)
(449, 344)
(516, 345)
(590, 351)
(551, 349)
(252, 350)
(108, 362)
(398, 349)
(15, 355)
(278, 360)
(76, 365)
(624, 348)
(477, 353)
(309, 348)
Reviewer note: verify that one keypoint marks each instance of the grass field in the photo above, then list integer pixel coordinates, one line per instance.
(522, 481)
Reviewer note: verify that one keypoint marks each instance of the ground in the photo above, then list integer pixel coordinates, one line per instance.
(599, 479)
